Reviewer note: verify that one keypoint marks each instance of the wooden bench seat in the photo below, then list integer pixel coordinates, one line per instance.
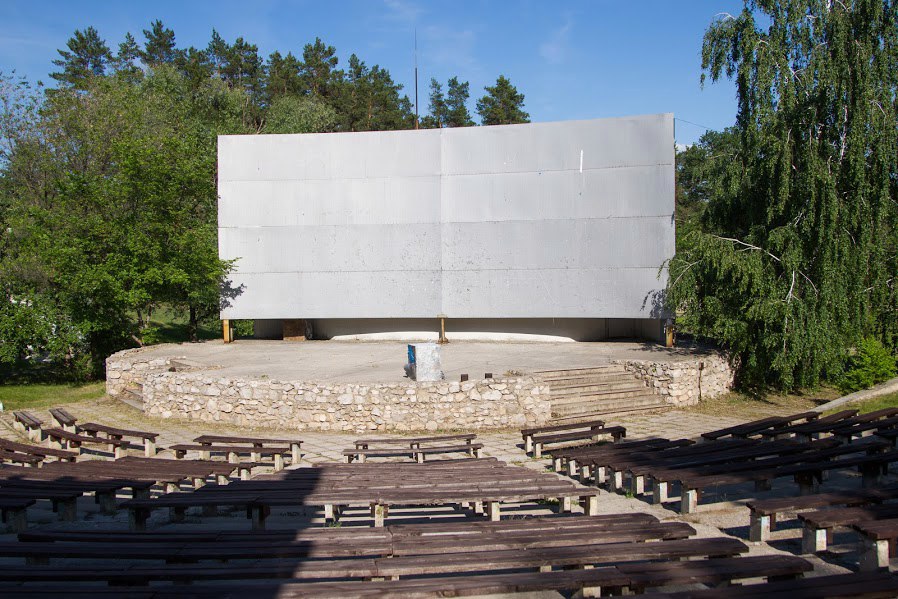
(586, 458)
(148, 439)
(528, 433)
(713, 571)
(66, 440)
(593, 434)
(848, 432)
(233, 452)
(755, 427)
(818, 526)
(869, 585)
(412, 442)
(14, 457)
(65, 420)
(807, 473)
(809, 429)
(764, 512)
(29, 424)
(294, 444)
(419, 453)
(36, 450)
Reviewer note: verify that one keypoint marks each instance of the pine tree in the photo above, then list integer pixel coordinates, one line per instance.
(502, 104)
(457, 114)
(437, 108)
(318, 70)
(86, 58)
(125, 61)
(282, 75)
(160, 45)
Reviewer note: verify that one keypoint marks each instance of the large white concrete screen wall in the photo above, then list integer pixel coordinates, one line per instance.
(548, 220)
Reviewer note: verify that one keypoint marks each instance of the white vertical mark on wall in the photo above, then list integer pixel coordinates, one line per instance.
(581, 161)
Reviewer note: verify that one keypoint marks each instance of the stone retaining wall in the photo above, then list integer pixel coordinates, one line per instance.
(126, 370)
(686, 382)
(472, 405)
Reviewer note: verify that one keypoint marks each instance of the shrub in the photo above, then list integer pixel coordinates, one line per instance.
(870, 365)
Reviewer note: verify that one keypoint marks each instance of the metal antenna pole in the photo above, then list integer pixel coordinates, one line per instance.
(416, 77)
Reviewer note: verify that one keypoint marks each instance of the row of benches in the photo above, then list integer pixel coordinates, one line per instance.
(615, 553)
(481, 483)
(69, 435)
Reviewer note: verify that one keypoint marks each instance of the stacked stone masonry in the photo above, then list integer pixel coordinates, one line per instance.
(685, 382)
(171, 391)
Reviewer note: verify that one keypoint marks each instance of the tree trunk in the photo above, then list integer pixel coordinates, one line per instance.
(192, 325)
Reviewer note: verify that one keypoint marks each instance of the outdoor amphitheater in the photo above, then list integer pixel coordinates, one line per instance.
(560, 443)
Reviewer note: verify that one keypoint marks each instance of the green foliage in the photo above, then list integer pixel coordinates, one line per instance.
(796, 253)
(243, 328)
(502, 104)
(297, 114)
(870, 365)
(448, 110)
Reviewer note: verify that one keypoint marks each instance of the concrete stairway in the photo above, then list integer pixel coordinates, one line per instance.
(582, 393)
(133, 396)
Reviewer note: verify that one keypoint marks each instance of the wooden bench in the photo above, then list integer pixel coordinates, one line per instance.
(592, 435)
(148, 439)
(585, 459)
(419, 453)
(818, 526)
(294, 444)
(233, 453)
(65, 420)
(38, 451)
(870, 585)
(528, 433)
(755, 427)
(764, 513)
(67, 440)
(879, 542)
(29, 424)
(807, 474)
(412, 442)
(811, 429)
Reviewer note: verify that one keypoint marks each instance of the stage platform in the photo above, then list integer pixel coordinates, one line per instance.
(383, 361)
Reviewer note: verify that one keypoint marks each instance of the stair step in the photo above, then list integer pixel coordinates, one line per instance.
(607, 405)
(573, 372)
(597, 389)
(132, 398)
(622, 377)
(596, 397)
(592, 414)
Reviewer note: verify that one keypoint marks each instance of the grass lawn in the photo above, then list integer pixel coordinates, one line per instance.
(870, 405)
(748, 407)
(41, 396)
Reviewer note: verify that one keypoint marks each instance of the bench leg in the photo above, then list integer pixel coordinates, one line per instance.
(107, 502)
(419, 457)
(149, 448)
(528, 444)
(244, 472)
(258, 513)
(763, 485)
(170, 488)
(874, 556)
(759, 528)
(572, 468)
(659, 491)
(330, 514)
(871, 475)
(813, 539)
(478, 453)
(118, 451)
(295, 456)
(222, 479)
(68, 510)
(590, 504)
(537, 450)
(557, 465)
(205, 455)
(137, 519)
(588, 592)
(584, 474)
(278, 462)
(378, 514)
(177, 514)
(564, 505)
(255, 456)
(199, 482)
(637, 484)
(16, 519)
(689, 501)
(478, 508)
(807, 484)
(615, 481)
(140, 493)
(233, 458)
(599, 475)
(493, 511)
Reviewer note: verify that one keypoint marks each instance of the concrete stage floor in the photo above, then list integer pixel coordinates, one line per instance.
(383, 361)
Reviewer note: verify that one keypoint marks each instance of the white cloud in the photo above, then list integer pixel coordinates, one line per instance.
(555, 49)
(403, 10)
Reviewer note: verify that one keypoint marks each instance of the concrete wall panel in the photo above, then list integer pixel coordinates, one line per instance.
(546, 220)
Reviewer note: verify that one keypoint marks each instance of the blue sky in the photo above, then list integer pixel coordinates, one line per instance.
(572, 60)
